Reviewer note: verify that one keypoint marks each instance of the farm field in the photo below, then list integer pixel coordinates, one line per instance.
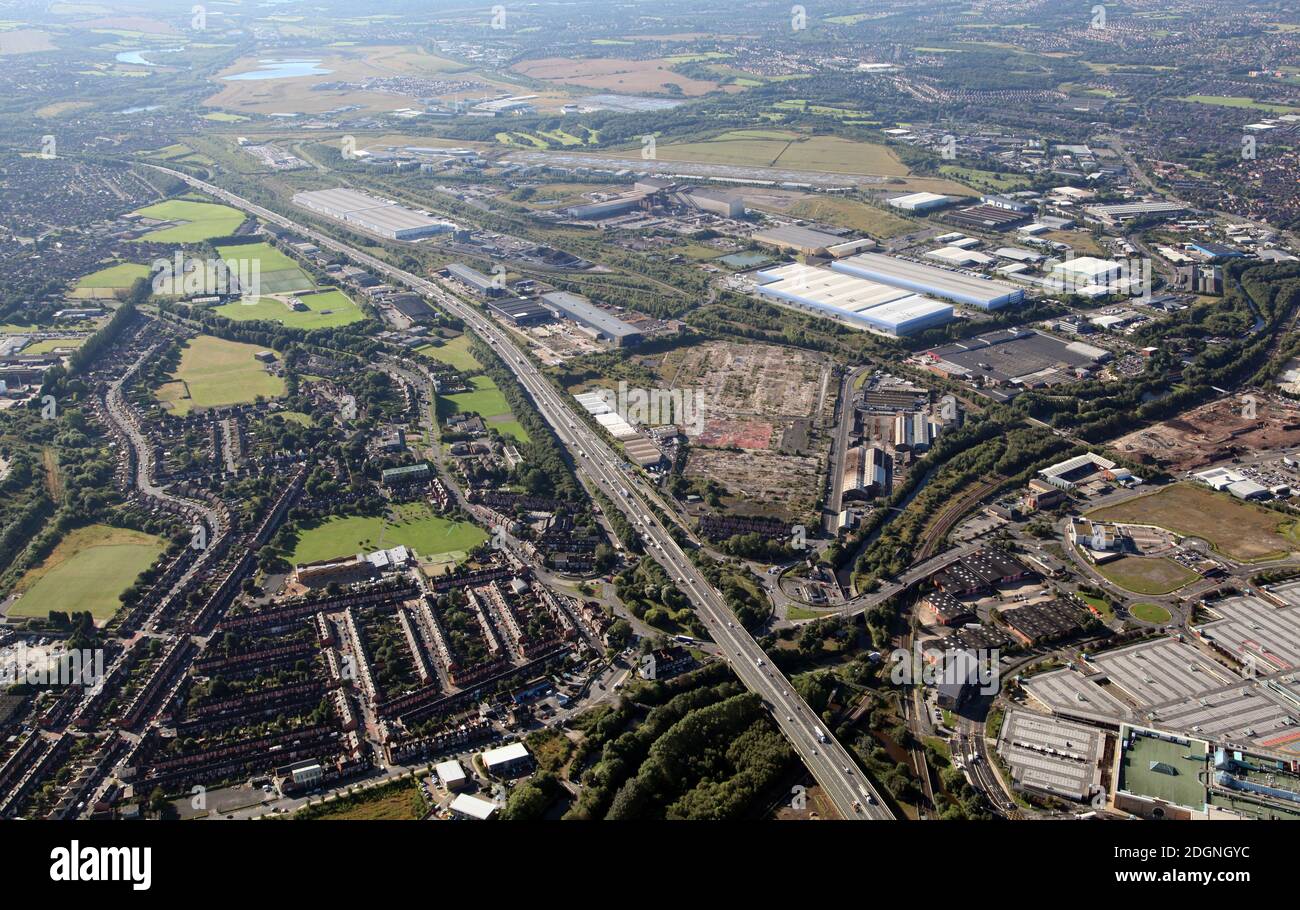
(108, 281)
(1238, 530)
(454, 352)
(214, 372)
(278, 273)
(88, 569)
(203, 221)
(487, 401)
(326, 310)
(1147, 574)
(412, 525)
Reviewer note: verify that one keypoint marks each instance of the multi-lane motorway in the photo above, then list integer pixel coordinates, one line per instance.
(853, 795)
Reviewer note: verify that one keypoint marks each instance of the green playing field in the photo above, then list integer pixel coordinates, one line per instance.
(215, 372)
(88, 570)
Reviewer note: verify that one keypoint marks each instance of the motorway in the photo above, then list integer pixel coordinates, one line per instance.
(854, 796)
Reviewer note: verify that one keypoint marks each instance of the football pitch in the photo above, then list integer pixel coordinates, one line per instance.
(88, 570)
(202, 221)
(325, 310)
(412, 525)
(107, 281)
(487, 401)
(278, 274)
(214, 372)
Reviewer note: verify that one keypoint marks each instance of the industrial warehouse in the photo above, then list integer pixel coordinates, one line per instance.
(600, 323)
(370, 213)
(923, 279)
(855, 301)
(1005, 362)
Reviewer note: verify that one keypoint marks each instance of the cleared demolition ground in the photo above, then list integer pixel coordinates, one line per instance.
(766, 409)
(779, 486)
(761, 380)
(1214, 432)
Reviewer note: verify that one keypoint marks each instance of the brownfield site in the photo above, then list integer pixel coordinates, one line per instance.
(1213, 433)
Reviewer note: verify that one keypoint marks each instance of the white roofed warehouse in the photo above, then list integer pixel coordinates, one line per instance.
(920, 202)
(371, 213)
(924, 279)
(851, 300)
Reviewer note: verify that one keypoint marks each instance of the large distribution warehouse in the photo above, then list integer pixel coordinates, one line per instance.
(379, 216)
(855, 301)
(599, 322)
(925, 279)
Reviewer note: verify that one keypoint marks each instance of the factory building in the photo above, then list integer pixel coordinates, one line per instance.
(520, 312)
(866, 473)
(1011, 205)
(595, 211)
(723, 204)
(601, 324)
(920, 202)
(854, 301)
(1114, 214)
(794, 239)
(923, 279)
(371, 213)
(915, 430)
(475, 280)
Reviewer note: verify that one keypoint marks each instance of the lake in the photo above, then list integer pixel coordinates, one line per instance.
(281, 69)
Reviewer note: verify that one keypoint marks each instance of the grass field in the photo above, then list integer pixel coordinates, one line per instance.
(203, 221)
(412, 524)
(1240, 101)
(215, 372)
(107, 281)
(487, 401)
(326, 310)
(277, 272)
(53, 344)
(454, 352)
(89, 568)
(396, 801)
(1001, 183)
(1238, 530)
(1150, 613)
(850, 213)
(1147, 574)
(777, 148)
